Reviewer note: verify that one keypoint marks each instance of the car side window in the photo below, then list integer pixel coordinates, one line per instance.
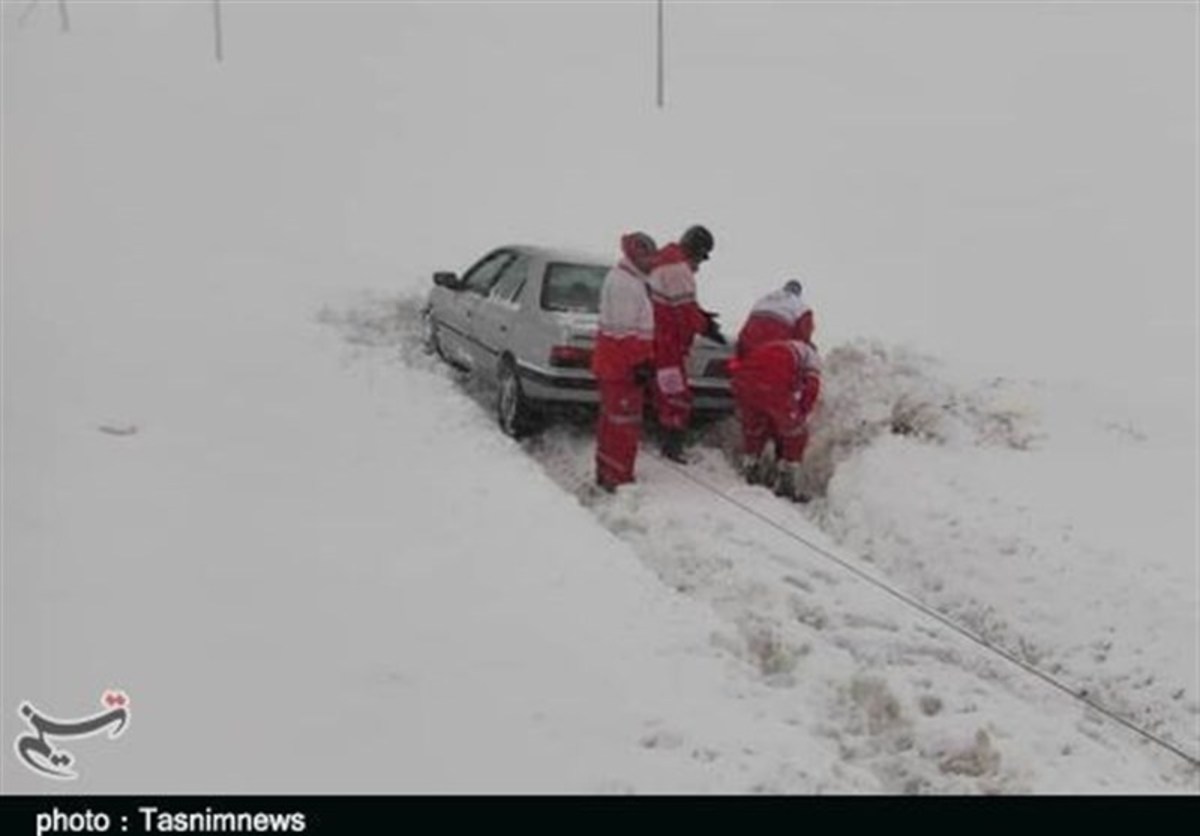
(509, 285)
(482, 276)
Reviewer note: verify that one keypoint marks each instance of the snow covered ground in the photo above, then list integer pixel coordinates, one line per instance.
(234, 487)
(911, 706)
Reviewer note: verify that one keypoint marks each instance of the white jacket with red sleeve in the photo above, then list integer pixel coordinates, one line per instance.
(625, 338)
(779, 315)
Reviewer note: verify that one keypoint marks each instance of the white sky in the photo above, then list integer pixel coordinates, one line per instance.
(1007, 184)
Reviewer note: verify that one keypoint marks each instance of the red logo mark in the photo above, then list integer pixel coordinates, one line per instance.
(115, 699)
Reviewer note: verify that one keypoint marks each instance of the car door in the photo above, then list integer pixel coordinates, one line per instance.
(458, 320)
(496, 315)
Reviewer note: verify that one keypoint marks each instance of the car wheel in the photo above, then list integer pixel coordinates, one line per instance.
(429, 335)
(517, 415)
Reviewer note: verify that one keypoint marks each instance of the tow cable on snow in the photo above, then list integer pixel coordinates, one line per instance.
(941, 618)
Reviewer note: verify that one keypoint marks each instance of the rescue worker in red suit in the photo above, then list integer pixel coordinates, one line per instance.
(776, 382)
(677, 321)
(623, 361)
(780, 315)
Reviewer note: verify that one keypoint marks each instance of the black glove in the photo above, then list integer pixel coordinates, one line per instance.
(643, 373)
(713, 332)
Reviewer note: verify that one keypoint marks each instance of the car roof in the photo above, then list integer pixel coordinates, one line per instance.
(554, 254)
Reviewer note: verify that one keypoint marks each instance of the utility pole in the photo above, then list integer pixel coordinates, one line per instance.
(661, 60)
(217, 39)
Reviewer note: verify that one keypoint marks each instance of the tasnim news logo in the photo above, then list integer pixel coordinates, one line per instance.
(42, 757)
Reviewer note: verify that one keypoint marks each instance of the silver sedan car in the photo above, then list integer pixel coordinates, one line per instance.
(524, 319)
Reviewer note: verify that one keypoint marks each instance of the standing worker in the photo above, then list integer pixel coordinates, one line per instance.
(677, 321)
(623, 361)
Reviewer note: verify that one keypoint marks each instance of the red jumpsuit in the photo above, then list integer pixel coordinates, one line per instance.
(624, 341)
(775, 387)
(677, 321)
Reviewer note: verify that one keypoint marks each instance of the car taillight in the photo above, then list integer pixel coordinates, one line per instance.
(570, 357)
(719, 368)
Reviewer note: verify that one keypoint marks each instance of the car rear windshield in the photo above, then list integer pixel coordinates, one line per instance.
(573, 288)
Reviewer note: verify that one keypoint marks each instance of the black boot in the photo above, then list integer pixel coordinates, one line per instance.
(753, 470)
(672, 446)
(790, 483)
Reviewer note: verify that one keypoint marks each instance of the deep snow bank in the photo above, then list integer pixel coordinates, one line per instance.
(1048, 519)
(913, 706)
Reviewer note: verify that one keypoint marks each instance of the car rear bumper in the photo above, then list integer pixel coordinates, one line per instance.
(543, 385)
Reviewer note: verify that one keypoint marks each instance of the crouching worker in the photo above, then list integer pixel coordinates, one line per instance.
(623, 361)
(775, 388)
